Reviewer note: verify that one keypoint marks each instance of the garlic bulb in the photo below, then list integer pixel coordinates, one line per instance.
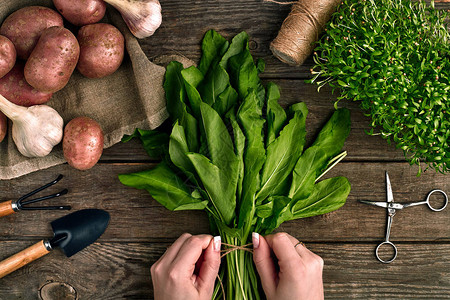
(142, 17)
(36, 129)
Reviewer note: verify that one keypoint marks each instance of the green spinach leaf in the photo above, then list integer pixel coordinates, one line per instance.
(218, 139)
(327, 196)
(238, 44)
(275, 114)
(214, 47)
(165, 187)
(327, 144)
(218, 186)
(178, 148)
(305, 172)
(192, 78)
(154, 142)
(215, 83)
(244, 76)
(226, 101)
(332, 136)
(175, 91)
(239, 148)
(281, 212)
(250, 118)
(282, 155)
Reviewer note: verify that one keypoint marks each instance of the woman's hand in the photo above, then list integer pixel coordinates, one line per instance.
(188, 269)
(296, 273)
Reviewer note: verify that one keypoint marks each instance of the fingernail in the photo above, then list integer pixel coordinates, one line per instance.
(255, 240)
(217, 243)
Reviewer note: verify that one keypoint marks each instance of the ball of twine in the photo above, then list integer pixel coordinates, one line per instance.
(301, 29)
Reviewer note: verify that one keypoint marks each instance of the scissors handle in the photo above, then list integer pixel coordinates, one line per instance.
(426, 201)
(388, 260)
(445, 197)
(390, 219)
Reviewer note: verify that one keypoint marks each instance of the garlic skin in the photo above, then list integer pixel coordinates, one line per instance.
(142, 17)
(36, 129)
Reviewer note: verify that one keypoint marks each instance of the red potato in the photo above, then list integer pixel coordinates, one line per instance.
(3, 126)
(101, 50)
(16, 89)
(81, 12)
(24, 27)
(82, 143)
(50, 65)
(7, 55)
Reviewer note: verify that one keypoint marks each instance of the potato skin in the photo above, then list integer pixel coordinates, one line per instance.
(101, 50)
(24, 27)
(3, 126)
(7, 55)
(50, 65)
(82, 143)
(16, 89)
(81, 12)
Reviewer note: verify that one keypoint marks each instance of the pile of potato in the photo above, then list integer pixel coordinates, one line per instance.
(38, 56)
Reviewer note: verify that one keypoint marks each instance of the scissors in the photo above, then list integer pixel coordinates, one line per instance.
(392, 207)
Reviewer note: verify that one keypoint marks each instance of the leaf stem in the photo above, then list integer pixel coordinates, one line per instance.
(239, 274)
(334, 161)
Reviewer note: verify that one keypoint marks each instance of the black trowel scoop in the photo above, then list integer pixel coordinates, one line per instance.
(72, 233)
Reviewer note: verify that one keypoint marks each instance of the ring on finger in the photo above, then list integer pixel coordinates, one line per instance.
(299, 243)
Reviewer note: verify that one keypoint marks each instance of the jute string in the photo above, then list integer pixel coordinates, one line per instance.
(301, 29)
(230, 248)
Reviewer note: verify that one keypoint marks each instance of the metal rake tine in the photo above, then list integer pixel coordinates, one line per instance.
(60, 176)
(63, 192)
(21, 203)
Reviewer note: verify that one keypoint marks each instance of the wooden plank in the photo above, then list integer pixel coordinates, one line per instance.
(102, 271)
(360, 146)
(136, 217)
(352, 272)
(122, 271)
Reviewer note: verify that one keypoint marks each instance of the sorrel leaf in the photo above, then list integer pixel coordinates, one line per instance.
(275, 114)
(165, 187)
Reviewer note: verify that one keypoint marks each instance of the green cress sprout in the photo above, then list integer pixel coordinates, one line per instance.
(394, 57)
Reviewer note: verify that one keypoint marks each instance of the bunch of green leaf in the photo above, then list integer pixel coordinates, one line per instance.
(394, 57)
(236, 153)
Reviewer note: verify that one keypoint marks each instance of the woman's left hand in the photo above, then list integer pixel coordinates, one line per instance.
(188, 269)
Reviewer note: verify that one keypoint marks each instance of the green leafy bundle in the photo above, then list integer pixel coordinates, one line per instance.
(234, 152)
(394, 57)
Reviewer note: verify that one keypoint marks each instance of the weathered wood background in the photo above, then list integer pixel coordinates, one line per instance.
(117, 266)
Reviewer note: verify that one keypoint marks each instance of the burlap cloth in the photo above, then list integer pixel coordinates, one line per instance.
(131, 97)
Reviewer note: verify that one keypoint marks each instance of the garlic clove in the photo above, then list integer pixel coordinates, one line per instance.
(36, 129)
(142, 17)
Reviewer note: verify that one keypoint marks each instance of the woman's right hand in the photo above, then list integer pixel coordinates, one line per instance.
(299, 271)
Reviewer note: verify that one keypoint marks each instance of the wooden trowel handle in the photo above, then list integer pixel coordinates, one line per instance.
(22, 258)
(6, 208)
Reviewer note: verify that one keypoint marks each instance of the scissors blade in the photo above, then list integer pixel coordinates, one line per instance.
(390, 196)
(375, 203)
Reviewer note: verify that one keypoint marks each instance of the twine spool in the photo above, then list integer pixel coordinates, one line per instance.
(302, 27)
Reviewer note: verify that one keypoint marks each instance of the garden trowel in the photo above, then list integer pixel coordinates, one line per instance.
(72, 233)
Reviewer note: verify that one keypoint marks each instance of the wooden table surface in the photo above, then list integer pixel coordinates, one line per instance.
(117, 266)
